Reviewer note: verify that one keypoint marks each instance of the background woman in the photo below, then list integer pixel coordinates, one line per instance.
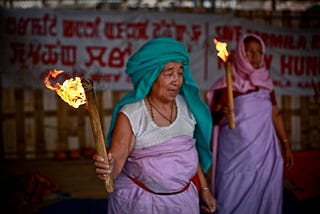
(248, 175)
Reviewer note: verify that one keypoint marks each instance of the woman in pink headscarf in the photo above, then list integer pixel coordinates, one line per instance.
(249, 167)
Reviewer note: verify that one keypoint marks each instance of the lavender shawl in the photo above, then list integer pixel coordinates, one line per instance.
(166, 167)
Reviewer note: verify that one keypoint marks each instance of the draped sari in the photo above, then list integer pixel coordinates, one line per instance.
(249, 163)
(164, 168)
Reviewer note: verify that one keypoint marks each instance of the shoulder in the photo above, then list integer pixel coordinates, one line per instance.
(132, 107)
(136, 113)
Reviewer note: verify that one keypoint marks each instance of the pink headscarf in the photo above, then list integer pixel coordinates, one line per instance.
(244, 76)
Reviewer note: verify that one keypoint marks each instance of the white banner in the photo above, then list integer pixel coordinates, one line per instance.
(97, 44)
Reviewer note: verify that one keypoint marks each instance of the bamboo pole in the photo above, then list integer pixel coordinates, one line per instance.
(96, 128)
(232, 124)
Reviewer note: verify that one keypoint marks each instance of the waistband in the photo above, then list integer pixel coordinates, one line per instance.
(136, 181)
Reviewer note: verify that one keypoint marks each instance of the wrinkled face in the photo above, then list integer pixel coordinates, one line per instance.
(254, 53)
(167, 85)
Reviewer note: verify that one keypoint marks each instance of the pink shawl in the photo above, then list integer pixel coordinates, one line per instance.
(244, 76)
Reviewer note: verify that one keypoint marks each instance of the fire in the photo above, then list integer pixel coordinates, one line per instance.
(222, 50)
(71, 91)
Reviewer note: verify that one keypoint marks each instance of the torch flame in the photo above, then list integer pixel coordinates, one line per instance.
(71, 91)
(222, 50)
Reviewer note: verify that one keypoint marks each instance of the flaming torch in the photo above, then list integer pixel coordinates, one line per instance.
(223, 54)
(77, 92)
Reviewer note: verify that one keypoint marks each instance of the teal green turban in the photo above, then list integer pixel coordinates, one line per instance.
(144, 67)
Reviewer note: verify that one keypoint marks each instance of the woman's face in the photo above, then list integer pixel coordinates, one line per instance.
(167, 85)
(254, 53)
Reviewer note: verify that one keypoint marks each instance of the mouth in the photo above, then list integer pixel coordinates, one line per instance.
(173, 91)
(255, 65)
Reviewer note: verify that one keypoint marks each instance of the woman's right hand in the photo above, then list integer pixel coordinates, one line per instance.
(220, 113)
(103, 169)
(226, 111)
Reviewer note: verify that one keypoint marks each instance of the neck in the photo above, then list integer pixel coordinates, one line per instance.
(162, 106)
(160, 111)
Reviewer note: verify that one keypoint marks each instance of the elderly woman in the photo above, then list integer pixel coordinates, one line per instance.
(159, 137)
(249, 164)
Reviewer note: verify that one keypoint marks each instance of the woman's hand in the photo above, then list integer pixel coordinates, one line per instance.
(226, 111)
(288, 157)
(103, 169)
(220, 113)
(209, 205)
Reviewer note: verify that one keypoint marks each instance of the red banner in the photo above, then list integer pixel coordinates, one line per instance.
(96, 45)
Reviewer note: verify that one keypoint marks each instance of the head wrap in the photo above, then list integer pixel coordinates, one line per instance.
(244, 76)
(144, 67)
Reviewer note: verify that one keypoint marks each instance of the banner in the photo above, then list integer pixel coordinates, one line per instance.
(97, 45)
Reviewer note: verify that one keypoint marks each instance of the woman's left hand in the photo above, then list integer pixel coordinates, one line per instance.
(288, 158)
(209, 205)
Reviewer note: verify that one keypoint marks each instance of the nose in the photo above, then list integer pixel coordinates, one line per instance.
(256, 55)
(175, 78)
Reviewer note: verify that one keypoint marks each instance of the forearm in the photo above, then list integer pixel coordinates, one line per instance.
(280, 128)
(122, 143)
(202, 178)
(205, 193)
(120, 152)
(118, 164)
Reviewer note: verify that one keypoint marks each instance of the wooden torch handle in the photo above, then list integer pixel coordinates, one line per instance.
(96, 127)
(230, 95)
